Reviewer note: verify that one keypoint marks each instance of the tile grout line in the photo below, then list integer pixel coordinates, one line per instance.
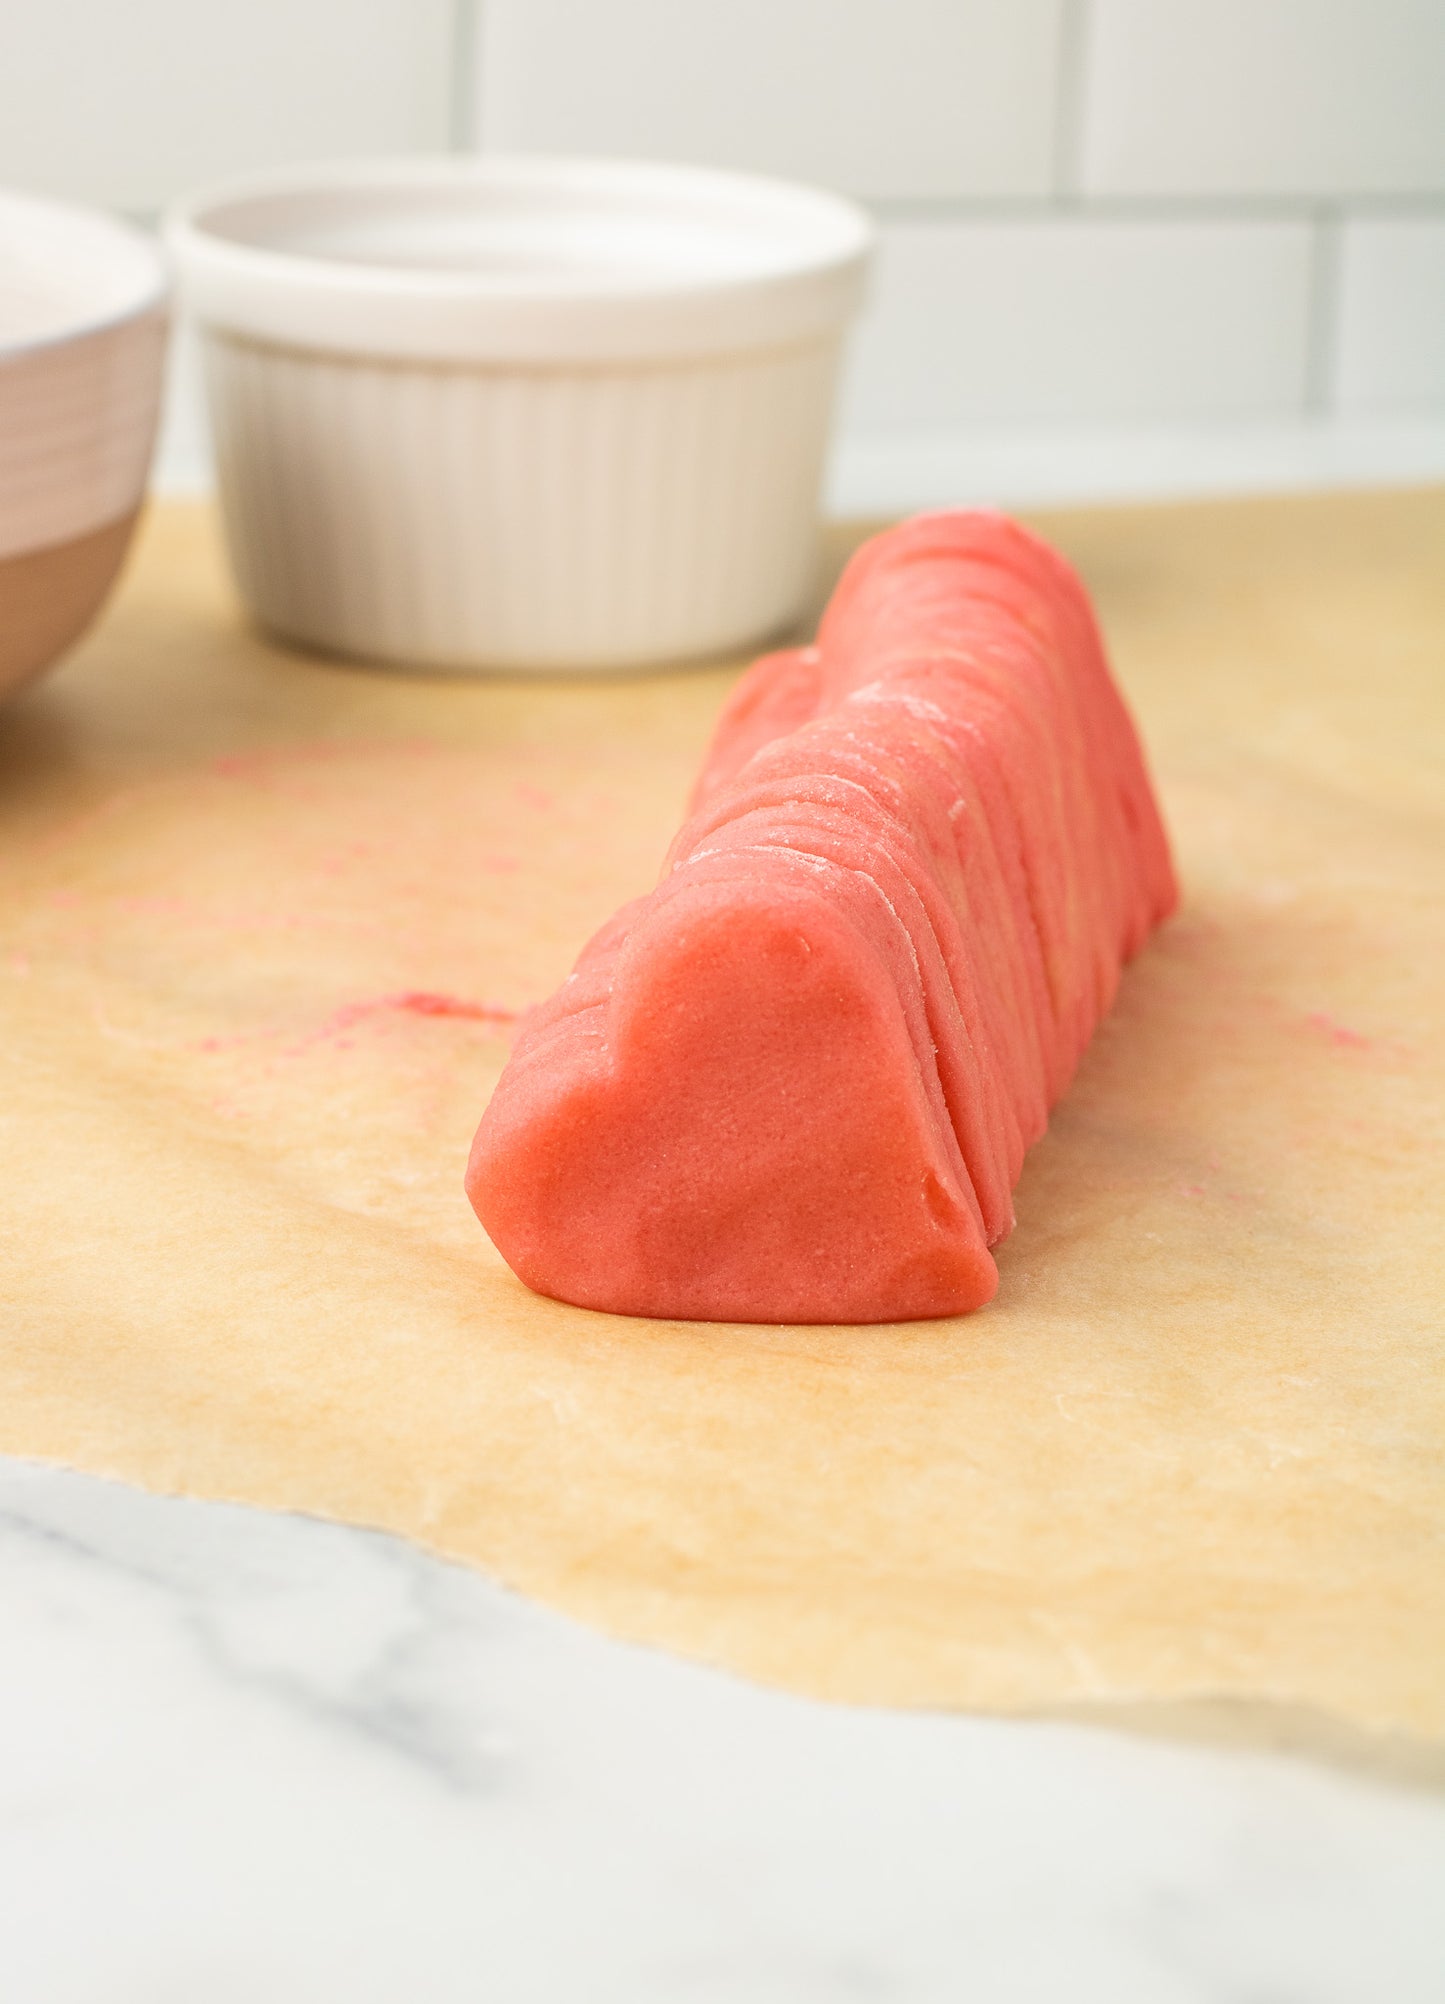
(463, 123)
(1323, 325)
(1069, 103)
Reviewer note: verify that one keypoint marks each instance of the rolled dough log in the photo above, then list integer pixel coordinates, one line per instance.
(796, 1083)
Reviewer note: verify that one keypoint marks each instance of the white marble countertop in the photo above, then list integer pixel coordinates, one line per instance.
(251, 1759)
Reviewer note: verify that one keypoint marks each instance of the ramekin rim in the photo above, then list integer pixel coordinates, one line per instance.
(185, 230)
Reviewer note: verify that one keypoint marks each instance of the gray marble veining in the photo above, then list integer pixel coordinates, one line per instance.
(251, 1759)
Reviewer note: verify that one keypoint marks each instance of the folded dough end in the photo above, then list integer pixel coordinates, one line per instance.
(739, 1133)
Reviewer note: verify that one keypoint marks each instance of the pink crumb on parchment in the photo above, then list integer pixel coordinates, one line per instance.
(533, 796)
(1338, 1033)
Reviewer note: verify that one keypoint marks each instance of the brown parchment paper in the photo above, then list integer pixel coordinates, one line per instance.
(264, 920)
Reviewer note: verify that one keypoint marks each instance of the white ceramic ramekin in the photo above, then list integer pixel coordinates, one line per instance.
(82, 345)
(521, 413)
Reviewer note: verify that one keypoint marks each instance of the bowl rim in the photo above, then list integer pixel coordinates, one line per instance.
(303, 297)
(153, 274)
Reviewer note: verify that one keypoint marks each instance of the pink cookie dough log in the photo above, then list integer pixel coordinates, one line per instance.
(797, 1081)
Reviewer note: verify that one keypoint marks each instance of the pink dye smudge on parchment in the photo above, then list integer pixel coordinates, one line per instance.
(154, 903)
(406, 1002)
(269, 762)
(1339, 1034)
(422, 1002)
(1200, 1190)
(345, 858)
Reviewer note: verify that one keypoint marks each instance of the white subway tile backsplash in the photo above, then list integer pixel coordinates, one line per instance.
(885, 98)
(128, 105)
(1263, 97)
(1390, 345)
(1206, 148)
(1082, 321)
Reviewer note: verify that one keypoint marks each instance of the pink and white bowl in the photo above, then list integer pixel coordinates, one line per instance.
(83, 314)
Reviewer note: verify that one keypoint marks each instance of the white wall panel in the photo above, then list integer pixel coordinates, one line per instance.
(924, 98)
(129, 104)
(1390, 351)
(1201, 143)
(1264, 97)
(1082, 321)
